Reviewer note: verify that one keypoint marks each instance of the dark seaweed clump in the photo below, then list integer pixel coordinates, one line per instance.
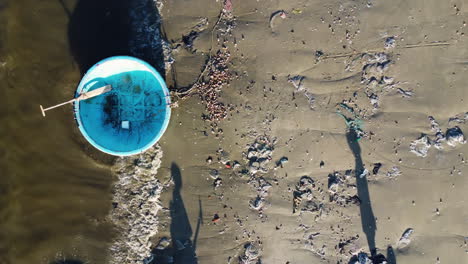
(189, 39)
(111, 110)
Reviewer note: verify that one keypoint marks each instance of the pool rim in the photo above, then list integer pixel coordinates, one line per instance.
(76, 108)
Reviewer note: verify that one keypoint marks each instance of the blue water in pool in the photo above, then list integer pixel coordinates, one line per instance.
(136, 97)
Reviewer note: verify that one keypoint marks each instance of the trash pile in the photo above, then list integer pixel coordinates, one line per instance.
(341, 190)
(262, 187)
(259, 154)
(209, 90)
(303, 198)
(452, 137)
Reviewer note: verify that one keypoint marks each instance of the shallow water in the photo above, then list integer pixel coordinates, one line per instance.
(53, 197)
(55, 188)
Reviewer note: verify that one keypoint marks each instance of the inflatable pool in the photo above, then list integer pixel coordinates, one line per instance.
(131, 117)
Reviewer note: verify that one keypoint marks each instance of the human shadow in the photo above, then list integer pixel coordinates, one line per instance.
(391, 258)
(103, 28)
(367, 216)
(181, 231)
(199, 223)
(368, 222)
(182, 250)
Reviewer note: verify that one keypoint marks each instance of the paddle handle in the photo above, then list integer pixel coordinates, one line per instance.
(43, 110)
(82, 96)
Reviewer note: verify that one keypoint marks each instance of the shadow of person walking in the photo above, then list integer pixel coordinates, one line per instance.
(181, 231)
(199, 223)
(367, 216)
(368, 222)
(391, 258)
(182, 248)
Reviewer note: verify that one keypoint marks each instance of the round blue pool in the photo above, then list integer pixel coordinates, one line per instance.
(130, 118)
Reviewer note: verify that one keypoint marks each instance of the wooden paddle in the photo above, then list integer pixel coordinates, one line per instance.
(82, 96)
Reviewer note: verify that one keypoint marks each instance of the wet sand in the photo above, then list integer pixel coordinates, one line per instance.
(336, 48)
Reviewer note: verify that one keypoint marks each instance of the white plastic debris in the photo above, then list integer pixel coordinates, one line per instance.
(405, 239)
(126, 124)
(421, 146)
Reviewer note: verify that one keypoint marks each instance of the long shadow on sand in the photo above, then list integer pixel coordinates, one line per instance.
(367, 215)
(183, 248)
(368, 223)
(103, 28)
(391, 258)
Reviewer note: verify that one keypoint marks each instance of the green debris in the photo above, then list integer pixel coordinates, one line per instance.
(354, 123)
(297, 11)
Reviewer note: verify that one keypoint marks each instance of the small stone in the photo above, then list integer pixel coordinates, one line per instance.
(296, 81)
(251, 254)
(282, 161)
(364, 173)
(376, 168)
(217, 183)
(394, 172)
(390, 42)
(179, 245)
(163, 243)
(254, 167)
(305, 183)
(363, 258)
(455, 136)
(236, 165)
(333, 183)
(257, 203)
(214, 174)
(388, 80)
(216, 218)
(405, 239)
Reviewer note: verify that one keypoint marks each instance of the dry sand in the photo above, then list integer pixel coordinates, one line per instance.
(394, 63)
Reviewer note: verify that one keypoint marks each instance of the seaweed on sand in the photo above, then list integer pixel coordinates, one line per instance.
(354, 123)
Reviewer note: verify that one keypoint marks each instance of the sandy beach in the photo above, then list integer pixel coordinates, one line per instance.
(305, 195)
(301, 132)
